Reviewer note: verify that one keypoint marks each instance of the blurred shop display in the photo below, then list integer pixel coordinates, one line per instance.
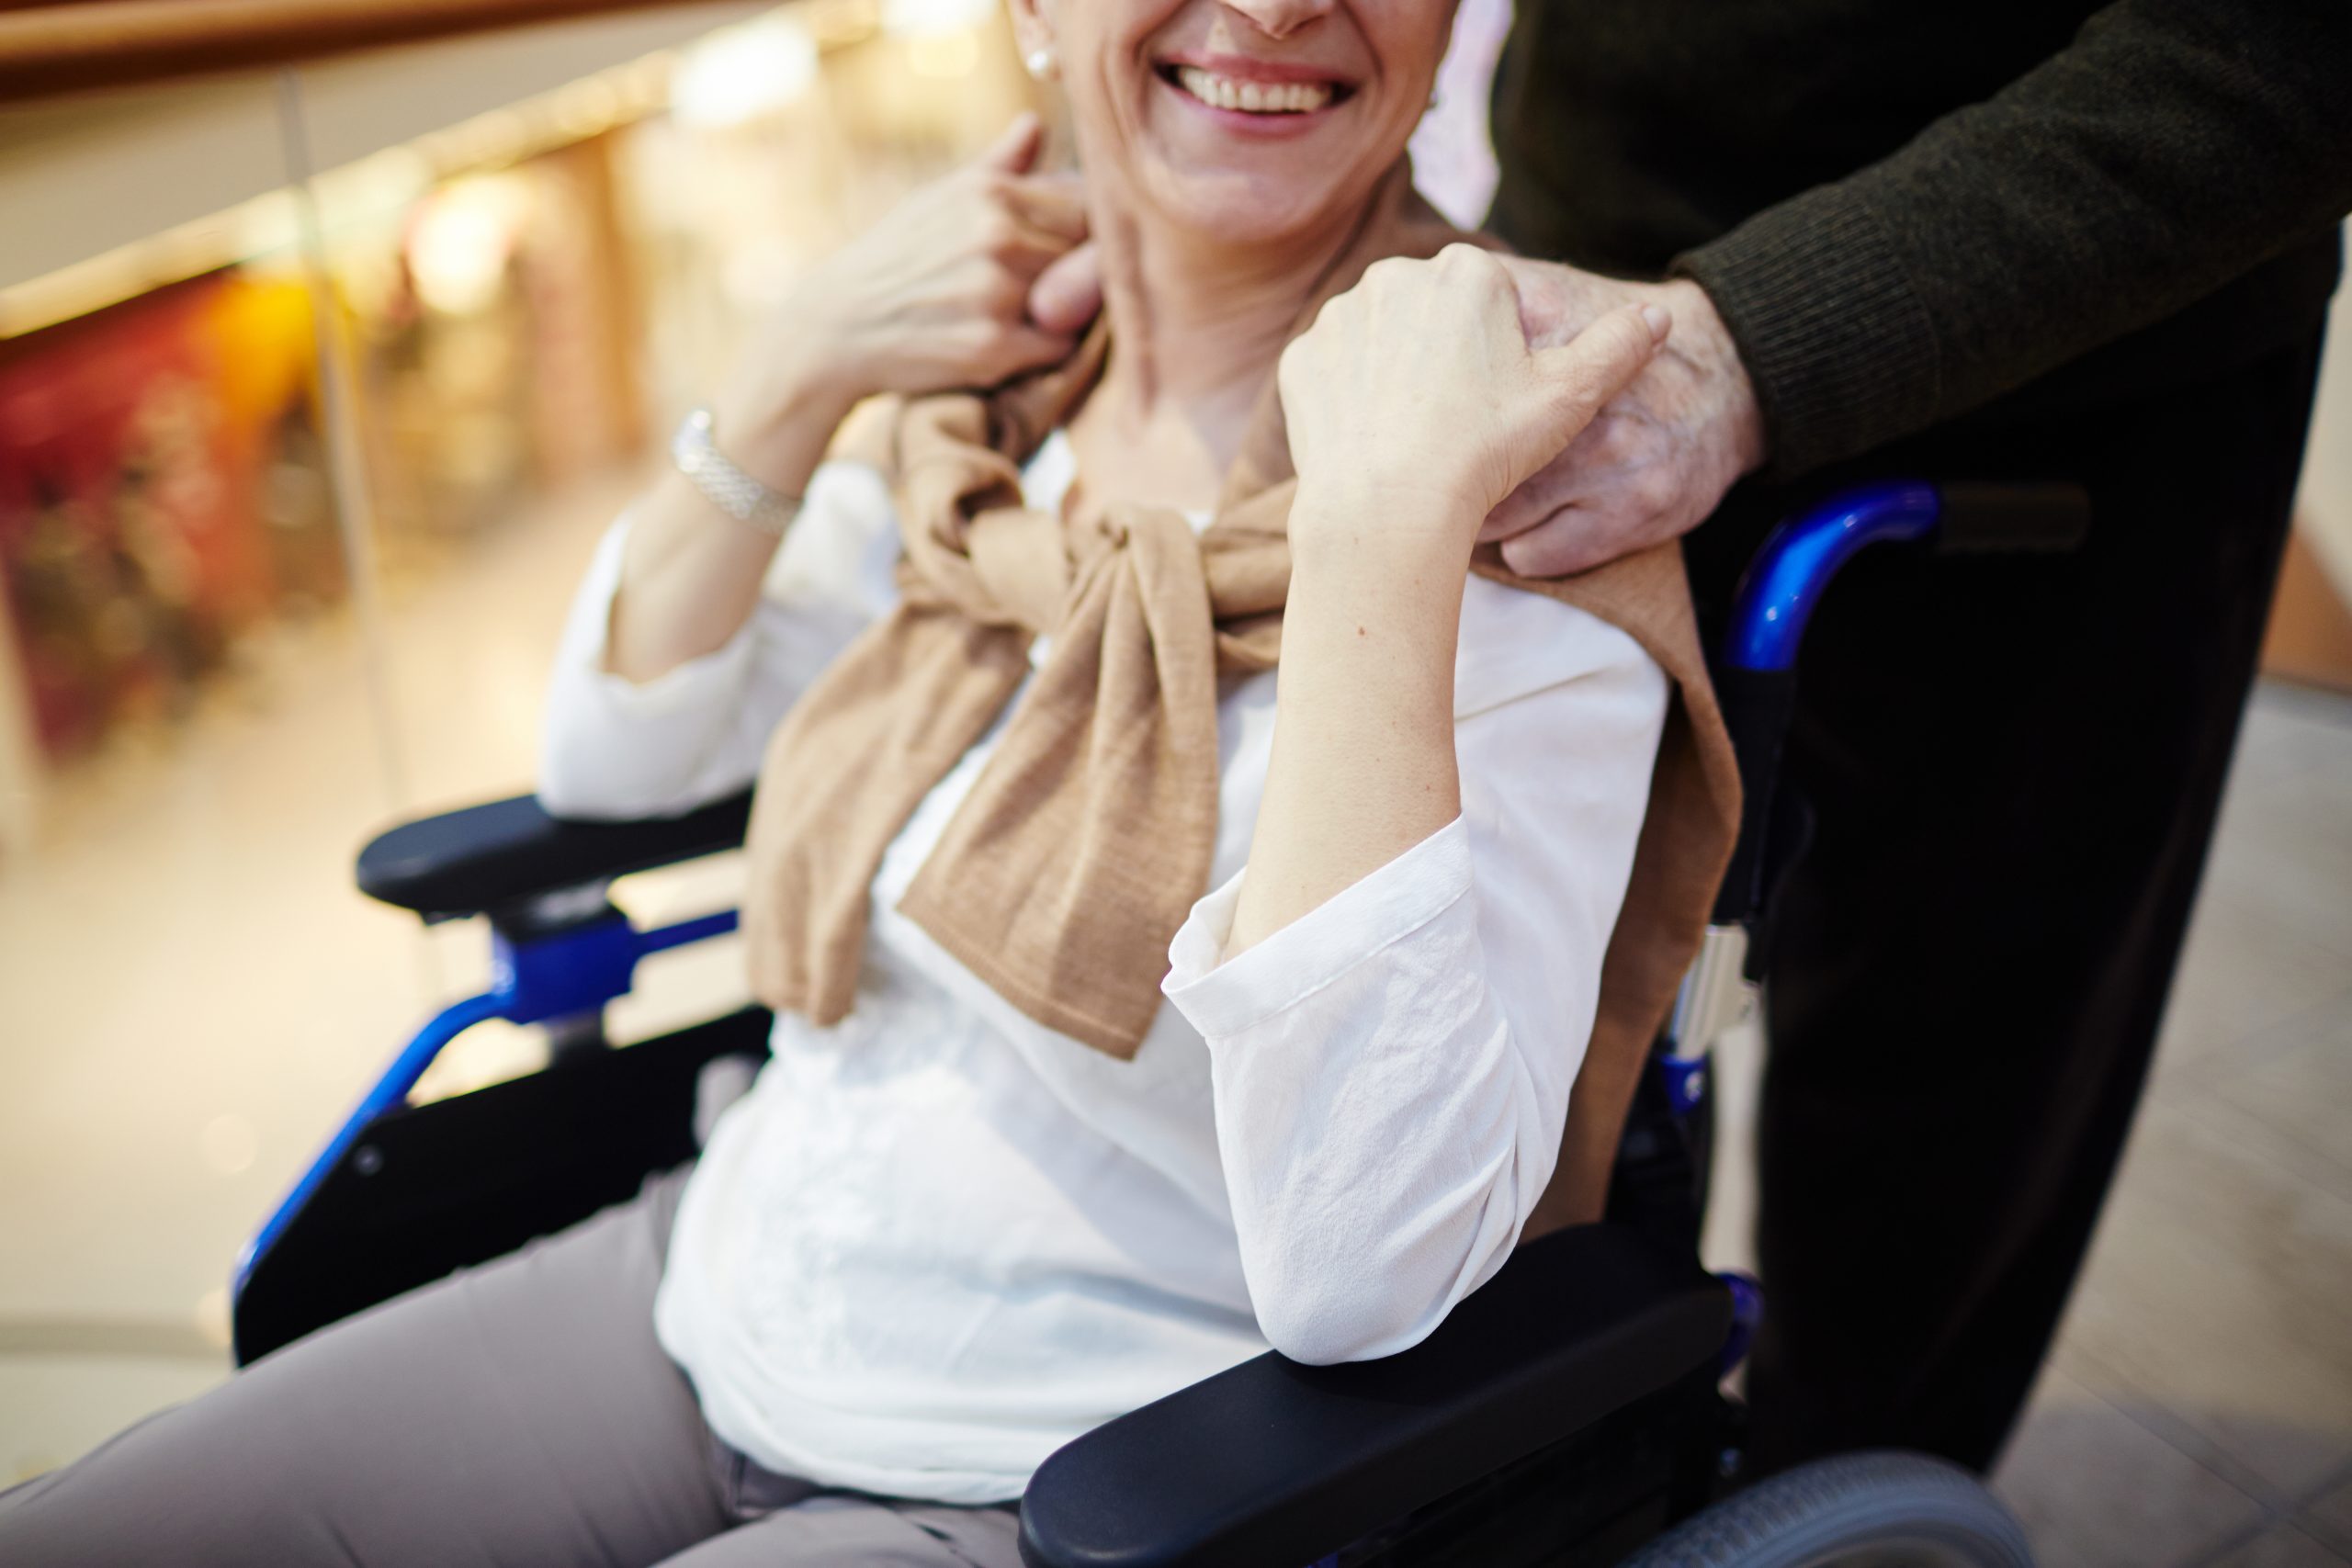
(524, 298)
(495, 333)
(159, 495)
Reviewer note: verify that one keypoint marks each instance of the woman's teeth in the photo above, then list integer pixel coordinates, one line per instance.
(1253, 97)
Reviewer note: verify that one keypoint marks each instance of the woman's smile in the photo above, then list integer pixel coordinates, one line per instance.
(1254, 96)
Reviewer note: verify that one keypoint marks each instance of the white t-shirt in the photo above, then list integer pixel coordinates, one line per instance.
(938, 1240)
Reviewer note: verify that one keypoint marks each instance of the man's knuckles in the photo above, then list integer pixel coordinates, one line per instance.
(1650, 491)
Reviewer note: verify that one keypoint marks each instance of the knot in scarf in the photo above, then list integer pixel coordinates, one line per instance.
(1066, 871)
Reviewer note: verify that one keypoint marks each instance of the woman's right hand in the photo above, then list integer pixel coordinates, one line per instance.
(968, 281)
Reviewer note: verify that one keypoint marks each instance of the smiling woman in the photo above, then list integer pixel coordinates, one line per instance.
(1253, 122)
(1134, 1012)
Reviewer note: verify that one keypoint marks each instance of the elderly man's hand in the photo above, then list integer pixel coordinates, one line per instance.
(1658, 458)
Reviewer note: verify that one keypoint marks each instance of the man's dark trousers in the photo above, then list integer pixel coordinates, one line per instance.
(2016, 764)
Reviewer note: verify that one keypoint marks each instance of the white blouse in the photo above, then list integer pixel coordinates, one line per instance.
(938, 1240)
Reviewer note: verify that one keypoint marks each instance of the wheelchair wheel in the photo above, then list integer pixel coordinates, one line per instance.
(1864, 1510)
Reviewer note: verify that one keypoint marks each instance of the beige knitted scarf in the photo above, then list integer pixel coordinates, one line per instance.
(1067, 869)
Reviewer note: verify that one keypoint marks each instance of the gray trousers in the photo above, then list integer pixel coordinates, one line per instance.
(515, 1414)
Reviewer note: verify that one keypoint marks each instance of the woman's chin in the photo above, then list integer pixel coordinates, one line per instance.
(1247, 208)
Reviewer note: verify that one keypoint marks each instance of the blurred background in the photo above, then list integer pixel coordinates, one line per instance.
(317, 383)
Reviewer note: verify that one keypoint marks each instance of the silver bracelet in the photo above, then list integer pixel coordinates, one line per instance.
(723, 484)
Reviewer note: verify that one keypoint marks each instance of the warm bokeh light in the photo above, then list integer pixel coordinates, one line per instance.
(462, 239)
(943, 55)
(742, 72)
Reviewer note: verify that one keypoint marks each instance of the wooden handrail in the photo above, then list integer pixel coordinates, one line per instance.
(65, 46)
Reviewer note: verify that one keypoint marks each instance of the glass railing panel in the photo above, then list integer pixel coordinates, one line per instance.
(230, 648)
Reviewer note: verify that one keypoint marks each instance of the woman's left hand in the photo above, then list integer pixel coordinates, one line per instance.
(1415, 406)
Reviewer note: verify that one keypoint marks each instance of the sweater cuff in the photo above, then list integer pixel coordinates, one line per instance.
(686, 687)
(1839, 345)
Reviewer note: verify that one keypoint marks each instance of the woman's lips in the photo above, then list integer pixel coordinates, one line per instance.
(1247, 96)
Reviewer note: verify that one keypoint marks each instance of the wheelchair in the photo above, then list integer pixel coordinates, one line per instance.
(1570, 1412)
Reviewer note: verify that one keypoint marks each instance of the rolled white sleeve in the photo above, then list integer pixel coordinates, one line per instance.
(615, 747)
(1391, 1071)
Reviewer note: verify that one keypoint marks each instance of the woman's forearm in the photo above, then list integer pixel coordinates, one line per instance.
(1415, 407)
(935, 296)
(1363, 762)
(691, 574)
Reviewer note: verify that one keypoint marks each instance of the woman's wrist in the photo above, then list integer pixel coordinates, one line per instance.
(1363, 764)
(776, 421)
(1373, 586)
(1379, 536)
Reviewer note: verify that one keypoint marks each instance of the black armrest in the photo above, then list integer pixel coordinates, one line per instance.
(1272, 1463)
(489, 857)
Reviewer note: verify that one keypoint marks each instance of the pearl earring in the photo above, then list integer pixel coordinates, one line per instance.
(1040, 62)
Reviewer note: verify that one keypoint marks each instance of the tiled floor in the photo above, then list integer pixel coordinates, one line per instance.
(2198, 1407)
(2197, 1412)
(190, 996)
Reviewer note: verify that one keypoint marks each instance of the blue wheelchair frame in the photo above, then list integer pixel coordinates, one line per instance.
(1481, 1405)
(563, 977)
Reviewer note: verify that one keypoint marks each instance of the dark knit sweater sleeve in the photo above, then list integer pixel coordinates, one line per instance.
(2169, 148)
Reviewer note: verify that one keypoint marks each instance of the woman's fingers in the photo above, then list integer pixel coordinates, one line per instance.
(1021, 247)
(938, 294)
(1055, 203)
(1069, 293)
(1016, 147)
(1615, 440)
(1023, 347)
(1581, 376)
(1049, 247)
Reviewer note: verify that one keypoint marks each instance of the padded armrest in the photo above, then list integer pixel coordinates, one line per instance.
(488, 857)
(1272, 1464)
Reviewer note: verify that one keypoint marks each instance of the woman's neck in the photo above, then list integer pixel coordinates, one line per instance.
(1196, 331)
